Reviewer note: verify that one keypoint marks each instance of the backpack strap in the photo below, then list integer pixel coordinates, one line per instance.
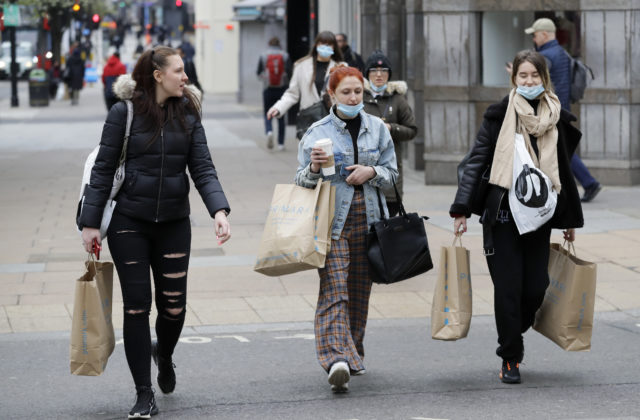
(123, 154)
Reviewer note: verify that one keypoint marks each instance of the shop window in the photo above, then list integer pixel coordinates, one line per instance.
(503, 36)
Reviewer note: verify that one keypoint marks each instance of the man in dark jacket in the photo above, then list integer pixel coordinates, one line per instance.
(352, 58)
(386, 99)
(189, 69)
(559, 63)
(75, 75)
(110, 73)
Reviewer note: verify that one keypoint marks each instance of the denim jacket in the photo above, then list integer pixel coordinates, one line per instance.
(375, 149)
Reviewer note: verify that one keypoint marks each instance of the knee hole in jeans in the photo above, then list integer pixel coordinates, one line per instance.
(175, 255)
(130, 262)
(126, 231)
(175, 275)
(135, 311)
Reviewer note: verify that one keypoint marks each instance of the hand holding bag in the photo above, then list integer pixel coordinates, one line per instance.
(397, 247)
(452, 298)
(92, 336)
(566, 314)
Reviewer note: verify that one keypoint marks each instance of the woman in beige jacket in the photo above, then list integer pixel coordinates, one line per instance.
(309, 75)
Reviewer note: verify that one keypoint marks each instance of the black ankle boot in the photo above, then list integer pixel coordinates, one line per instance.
(145, 405)
(166, 374)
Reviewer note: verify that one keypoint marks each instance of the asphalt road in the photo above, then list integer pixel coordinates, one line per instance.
(269, 371)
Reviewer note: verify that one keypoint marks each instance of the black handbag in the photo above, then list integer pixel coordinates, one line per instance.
(397, 247)
(308, 116)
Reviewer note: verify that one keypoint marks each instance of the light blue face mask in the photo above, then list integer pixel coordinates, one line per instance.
(350, 110)
(530, 92)
(375, 88)
(324, 51)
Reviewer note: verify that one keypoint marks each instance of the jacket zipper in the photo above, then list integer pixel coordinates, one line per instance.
(161, 167)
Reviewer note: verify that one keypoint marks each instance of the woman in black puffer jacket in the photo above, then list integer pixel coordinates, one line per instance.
(150, 227)
(518, 262)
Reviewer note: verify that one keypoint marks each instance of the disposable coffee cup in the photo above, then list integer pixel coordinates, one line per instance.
(329, 167)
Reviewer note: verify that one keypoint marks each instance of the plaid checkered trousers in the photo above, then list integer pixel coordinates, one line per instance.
(345, 286)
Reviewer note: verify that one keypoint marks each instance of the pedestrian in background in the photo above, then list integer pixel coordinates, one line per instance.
(345, 283)
(274, 69)
(352, 58)
(150, 227)
(190, 69)
(110, 73)
(309, 75)
(518, 263)
(75, 75)
(55, 75)
(544, 37)
(386, 99)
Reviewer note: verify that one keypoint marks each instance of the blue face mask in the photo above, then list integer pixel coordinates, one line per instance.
(530, 92)
(324, 51)
(375, 88)
(350, 110)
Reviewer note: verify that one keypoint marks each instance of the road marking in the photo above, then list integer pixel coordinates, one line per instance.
(237, 337)
(121, 341)
(195, 340)
(637, 325)
(302, 336)
(425, 418)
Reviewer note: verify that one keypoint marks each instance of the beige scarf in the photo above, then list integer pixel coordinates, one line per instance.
(521, 118)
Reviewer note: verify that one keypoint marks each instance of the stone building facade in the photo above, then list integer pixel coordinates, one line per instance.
(452, 53)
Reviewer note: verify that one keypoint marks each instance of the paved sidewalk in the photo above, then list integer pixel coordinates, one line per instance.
(42, 151)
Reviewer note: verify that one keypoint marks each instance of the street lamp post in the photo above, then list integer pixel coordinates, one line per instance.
(14, 68)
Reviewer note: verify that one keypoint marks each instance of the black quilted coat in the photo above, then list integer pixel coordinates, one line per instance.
(156, 185)
(568, 212)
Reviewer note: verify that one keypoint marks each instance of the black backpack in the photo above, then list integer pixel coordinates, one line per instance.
(579, 72)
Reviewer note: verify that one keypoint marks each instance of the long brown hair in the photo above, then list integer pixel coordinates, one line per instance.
(324, 37)
(144, 95)
(538, 61)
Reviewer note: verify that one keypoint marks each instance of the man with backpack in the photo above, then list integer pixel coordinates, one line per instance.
(110, 73)
(274, 69)
(561, 69)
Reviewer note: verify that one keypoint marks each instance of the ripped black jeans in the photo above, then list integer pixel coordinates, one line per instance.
(136, 245)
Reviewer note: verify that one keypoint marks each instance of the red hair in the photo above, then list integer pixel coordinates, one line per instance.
(341, 71)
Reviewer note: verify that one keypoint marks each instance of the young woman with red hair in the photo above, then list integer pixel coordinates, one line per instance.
(365, 161)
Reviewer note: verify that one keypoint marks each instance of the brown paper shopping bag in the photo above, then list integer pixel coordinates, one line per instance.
(452, 298)
(296, 235)
(566, 314)
(92, 337)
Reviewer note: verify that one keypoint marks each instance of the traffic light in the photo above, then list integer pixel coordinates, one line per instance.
(75, 7)
(178, 3)
(95, 22)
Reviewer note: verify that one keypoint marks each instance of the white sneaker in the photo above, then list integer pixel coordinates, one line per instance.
(339, 375)
(359, 372)
(270, 140)
(281, 147)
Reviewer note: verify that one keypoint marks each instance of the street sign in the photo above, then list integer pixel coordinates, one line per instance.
(11, 15)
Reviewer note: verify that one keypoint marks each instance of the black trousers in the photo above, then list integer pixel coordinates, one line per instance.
(136, 246)
(520, 278)
(270, 96)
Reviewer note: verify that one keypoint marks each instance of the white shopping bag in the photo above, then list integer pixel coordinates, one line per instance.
(531, 198)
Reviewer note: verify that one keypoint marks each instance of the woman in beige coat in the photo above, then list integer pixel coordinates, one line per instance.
(309, 75)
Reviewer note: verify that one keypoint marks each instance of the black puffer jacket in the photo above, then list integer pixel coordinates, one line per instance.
(156, 185)
(568, 212)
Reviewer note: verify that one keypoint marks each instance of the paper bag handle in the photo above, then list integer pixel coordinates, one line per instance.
(457, 238)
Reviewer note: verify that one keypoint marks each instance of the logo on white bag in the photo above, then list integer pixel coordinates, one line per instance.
(531, 188)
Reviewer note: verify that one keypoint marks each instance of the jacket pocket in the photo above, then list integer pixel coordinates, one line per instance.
(368, 157)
